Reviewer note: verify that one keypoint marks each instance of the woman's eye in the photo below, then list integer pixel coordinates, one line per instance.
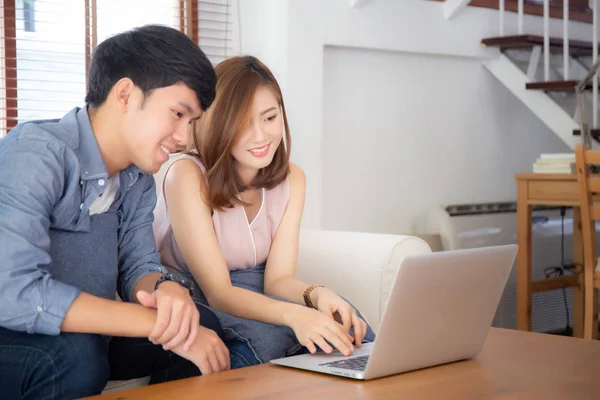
(178, 114)
(271, 118)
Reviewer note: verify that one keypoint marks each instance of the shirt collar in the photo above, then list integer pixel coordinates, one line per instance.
(130, 175)
(92, 165)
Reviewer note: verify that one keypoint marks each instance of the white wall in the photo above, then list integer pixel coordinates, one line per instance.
(263, 33)
(414, 42)
(400, 137)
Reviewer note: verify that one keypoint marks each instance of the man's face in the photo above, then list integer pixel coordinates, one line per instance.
(158, 124)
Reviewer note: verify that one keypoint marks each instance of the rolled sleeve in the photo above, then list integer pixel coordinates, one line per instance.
(31, 182)
(50, 314)
(137, 249)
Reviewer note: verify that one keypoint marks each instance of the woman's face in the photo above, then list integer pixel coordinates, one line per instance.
(256, 146)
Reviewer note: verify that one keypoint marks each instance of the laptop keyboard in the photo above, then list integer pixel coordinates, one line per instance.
(354, 363)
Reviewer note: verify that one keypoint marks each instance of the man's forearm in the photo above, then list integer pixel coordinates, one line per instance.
(91, 314)
(145, 283)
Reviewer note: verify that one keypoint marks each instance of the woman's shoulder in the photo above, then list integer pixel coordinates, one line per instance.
(188, 158)
(185, 165)
(185, 170)
(293, 182)
(296, 175)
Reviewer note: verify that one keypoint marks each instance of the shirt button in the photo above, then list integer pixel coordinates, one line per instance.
(39, 309)
(81, 206)
(81, 182)
(101, 182)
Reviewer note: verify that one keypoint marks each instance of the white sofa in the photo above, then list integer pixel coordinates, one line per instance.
(361, 267)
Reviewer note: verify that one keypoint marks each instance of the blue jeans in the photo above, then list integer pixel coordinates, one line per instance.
(74, 365)
(52, 367)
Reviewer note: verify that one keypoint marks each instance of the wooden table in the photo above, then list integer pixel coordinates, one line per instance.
(550, 190)
(512, 365)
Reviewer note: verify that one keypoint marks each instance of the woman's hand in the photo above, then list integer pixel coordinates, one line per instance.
(313, 327)
(338, 309)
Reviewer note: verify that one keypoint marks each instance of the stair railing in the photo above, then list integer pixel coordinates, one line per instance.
(592, 76)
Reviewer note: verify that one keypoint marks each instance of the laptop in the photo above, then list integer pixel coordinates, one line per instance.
(439, 311)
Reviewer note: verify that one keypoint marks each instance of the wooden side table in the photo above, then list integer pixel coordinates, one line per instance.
(549, 190)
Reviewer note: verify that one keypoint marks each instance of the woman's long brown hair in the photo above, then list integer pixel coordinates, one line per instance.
(221, 126)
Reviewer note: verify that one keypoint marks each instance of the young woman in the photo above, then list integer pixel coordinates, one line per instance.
(229, 219)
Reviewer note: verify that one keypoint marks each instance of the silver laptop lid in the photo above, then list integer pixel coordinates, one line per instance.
(440, 308)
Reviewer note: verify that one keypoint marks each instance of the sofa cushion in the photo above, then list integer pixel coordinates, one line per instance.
(360, 267)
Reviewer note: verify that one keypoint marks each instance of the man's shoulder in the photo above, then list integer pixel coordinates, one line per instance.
(55, 133)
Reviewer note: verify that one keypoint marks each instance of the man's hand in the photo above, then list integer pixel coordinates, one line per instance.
(177, 318)
(207, 352)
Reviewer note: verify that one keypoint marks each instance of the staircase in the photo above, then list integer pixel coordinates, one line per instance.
(543, 71)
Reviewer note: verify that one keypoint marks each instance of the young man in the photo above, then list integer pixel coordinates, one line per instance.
(76, 202)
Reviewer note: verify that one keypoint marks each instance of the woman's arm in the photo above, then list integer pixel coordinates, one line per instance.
(280, 273)
(194, 233)
(192, 225)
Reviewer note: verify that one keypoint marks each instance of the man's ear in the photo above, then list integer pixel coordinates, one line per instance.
(123, 92)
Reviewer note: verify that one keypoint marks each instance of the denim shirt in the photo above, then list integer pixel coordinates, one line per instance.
(51, 171)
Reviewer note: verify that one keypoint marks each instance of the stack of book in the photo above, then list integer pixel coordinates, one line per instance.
(555, 163)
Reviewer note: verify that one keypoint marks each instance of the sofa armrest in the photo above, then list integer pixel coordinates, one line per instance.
(361, 267)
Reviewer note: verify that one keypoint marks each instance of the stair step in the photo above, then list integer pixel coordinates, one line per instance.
(577, 12)
(576, 47)
(555, 86)
(595, 133)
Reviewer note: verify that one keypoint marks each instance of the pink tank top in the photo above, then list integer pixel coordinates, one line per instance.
(243, 244)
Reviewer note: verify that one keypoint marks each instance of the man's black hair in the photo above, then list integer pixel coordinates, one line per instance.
(152, 56)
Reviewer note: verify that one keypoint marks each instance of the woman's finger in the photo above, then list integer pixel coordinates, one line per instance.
(319, 341)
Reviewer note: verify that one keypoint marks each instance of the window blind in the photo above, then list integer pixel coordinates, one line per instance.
(46, 45)
(217, 28)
